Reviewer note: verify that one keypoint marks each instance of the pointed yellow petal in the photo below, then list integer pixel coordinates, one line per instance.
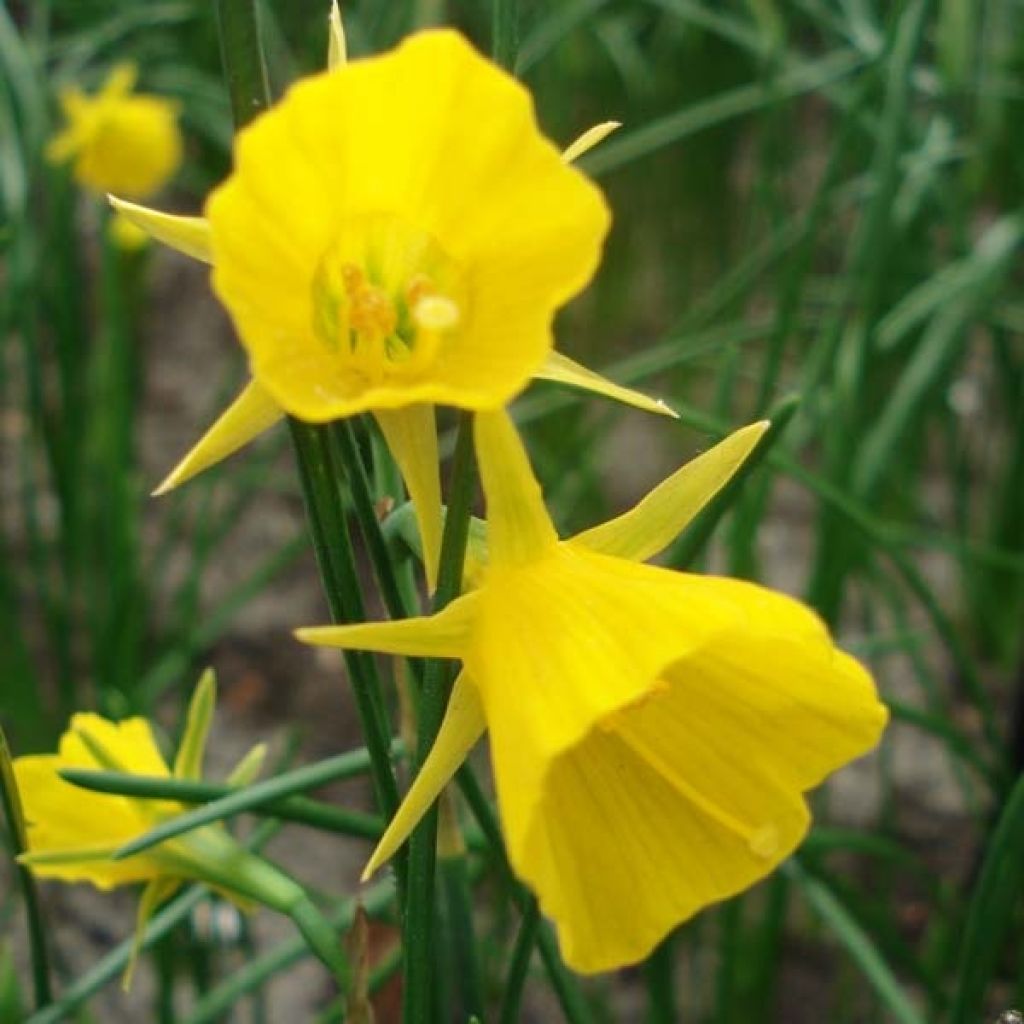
(120, 81)
(252, 412)
(518, 526)
(589, 139)
(659, 518)
(444, 635)
(337, 50)
(129, 743)
(563, 370)
(155, 893)
(189, 235)
(463, 725)
(411, 434)
(188, 764)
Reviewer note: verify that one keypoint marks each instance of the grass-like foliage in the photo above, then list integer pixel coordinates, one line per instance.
(817, 220)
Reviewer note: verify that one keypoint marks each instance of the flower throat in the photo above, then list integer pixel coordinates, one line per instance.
(385, 296)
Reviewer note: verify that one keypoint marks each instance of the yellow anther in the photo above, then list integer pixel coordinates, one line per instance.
(435, 313)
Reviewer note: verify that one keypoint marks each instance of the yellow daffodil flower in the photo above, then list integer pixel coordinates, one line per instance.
(652, 732)
(396, 233)
(120, 141)
(73, 833)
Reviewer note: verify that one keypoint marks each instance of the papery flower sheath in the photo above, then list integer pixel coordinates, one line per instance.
(652, 732)
(396, 233)
(119, 140)
(74, 833)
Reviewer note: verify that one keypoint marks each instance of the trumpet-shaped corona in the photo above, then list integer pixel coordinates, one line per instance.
(652, 732)
(118, 140)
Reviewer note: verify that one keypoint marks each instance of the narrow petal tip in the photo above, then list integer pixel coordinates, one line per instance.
(166, 485)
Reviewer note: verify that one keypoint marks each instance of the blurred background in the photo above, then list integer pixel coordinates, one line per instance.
(818, 212)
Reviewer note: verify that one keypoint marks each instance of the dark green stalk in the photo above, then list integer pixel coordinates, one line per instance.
(400, 604)
(321, 478)
(521, 952)
(18, 840)
(361, 490)
(458, 903)
(659, 973)
(433, 701)
(505, 33)
(244, 66)
(300, 809)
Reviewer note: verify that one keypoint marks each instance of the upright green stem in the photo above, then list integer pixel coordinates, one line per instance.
(321, 479)
(244, 66)
(433, 700)
(15, 821)
(505, 33)
(516, 979)
(659, 973)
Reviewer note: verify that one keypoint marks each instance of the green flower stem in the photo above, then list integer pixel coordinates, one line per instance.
(244, 66)
(18, 840)
(299, 809)
(659, 973)
(238, 801)
(456, 888)
(433, 701)
(505, 33)
(254, 974)
(361, 491)
(525, 941)
(321, 479)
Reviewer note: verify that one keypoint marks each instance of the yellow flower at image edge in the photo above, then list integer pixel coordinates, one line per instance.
(119, 141)
(652, 732)
(74, 833)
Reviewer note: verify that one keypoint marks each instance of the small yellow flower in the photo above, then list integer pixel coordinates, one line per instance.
(73, 833)
(120, 141)
(429, 231)
(652, 732)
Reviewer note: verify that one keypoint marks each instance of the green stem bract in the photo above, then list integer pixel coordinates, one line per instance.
(419, 904)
